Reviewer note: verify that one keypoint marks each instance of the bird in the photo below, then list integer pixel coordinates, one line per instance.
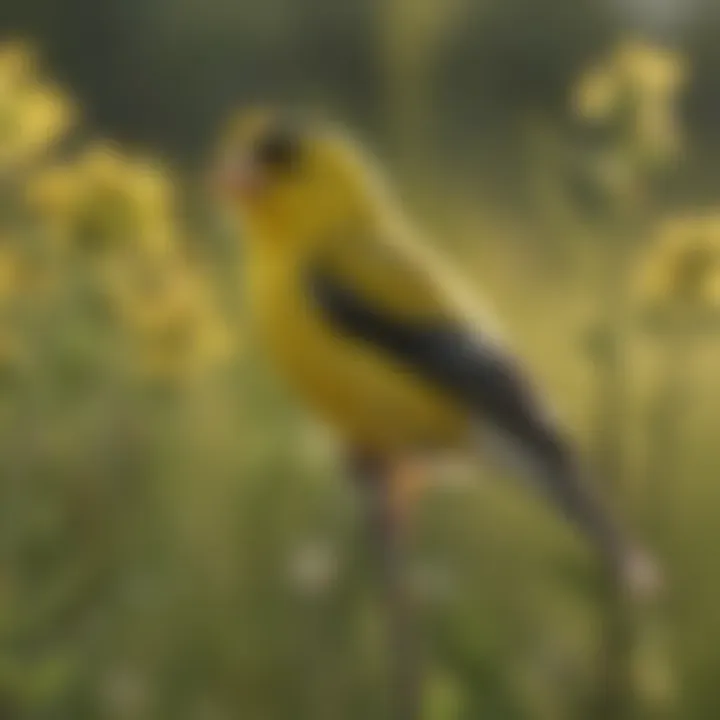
(390, 348)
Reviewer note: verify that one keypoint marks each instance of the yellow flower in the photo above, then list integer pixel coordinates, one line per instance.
(187, 347)
(152, 188)
(45, 114)
(131, 198)
(683, 266)
(596, 94)
(34, 114)
(634, 68)
(648, 68)
(107, 201)
(171, 317)
(52, 191)
(636, 85)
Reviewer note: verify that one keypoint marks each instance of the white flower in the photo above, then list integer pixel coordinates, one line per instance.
(313, 567)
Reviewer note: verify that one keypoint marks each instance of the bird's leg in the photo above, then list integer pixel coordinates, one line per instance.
(385, 489)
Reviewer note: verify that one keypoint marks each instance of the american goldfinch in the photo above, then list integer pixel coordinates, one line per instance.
(368, 328)
(374, 334)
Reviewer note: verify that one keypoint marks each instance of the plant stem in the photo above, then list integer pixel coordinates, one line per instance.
(615, 698)
(387, 528)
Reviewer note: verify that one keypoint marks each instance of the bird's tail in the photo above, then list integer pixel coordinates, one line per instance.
(551, 465)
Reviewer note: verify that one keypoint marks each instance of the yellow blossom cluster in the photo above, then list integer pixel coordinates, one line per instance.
(34, 114)
(105, 200)
(682, 266)
(99, 214)
(171, 315)
(636, 87)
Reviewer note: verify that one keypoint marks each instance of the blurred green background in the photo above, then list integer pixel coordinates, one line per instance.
(176, 537)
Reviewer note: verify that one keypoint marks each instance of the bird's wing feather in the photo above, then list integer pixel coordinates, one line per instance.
(383, 298)
(389, 272)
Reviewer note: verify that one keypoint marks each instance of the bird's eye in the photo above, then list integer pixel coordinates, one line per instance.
(280, 150)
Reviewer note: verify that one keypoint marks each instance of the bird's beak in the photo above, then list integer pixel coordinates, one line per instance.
(239, 179)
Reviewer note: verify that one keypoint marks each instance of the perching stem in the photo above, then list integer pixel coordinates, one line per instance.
(387, 526)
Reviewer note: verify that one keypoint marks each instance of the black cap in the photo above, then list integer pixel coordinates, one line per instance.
(279, 148)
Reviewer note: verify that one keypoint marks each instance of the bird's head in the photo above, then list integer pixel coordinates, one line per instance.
(293, 181)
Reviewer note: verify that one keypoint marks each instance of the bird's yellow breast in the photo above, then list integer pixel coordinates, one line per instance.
(370, 400)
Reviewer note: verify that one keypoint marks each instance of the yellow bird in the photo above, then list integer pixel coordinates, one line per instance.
(374, 334)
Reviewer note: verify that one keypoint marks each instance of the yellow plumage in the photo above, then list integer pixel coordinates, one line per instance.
(373, 402)
(334, 210)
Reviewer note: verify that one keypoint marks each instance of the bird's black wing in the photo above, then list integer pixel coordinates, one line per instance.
(479, 375)
(471, 368)
(484, 378)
